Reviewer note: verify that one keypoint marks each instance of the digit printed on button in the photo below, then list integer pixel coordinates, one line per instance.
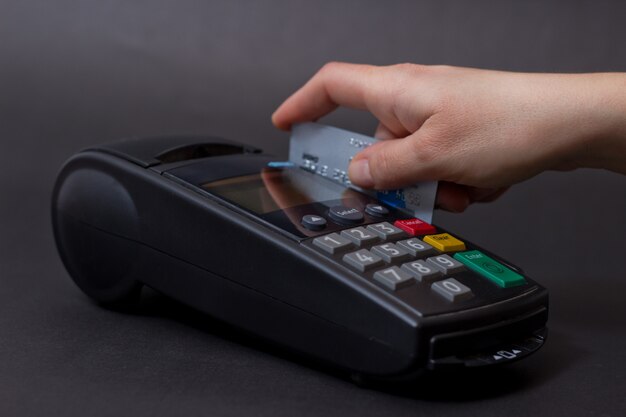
(452, 290)
(416, 247)
(393, 278)
(359, 235)
(391, 252)
(421, 271)
(451, 286)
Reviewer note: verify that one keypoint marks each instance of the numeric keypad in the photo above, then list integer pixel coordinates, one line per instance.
(412, 260)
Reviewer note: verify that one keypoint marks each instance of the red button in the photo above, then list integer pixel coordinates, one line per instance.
(415, 227)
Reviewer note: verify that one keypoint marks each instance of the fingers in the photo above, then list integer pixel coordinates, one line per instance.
(485, 195)
(457, 198)
(395, 163)
(384, 133)
(336, 84)
(364, 87)
(452, 197)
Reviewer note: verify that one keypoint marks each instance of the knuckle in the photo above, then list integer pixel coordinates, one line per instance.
(382, 168)
(427, 150)
(328, 66)
(399, 82)
(442, 68)
(411, 69)
(431, 155)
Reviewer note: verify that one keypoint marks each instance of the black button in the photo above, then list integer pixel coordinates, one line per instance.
(313, 222)
(347, 215)
(376, 210)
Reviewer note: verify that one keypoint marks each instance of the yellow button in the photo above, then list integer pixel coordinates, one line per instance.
(445, 242)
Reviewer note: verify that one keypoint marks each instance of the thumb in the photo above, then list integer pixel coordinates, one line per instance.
(394, 163)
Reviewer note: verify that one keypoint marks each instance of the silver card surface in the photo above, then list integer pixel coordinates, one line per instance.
(327, 151)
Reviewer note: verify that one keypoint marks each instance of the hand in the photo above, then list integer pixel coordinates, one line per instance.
(477, 131)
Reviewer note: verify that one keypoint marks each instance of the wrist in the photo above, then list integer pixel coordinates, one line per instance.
(604, 137)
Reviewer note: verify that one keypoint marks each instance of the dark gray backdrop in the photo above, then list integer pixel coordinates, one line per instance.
(75, 73)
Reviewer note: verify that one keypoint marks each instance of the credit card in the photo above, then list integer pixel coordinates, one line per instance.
(327, 151)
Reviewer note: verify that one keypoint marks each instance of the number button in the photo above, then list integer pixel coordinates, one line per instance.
(422, 271)
(391, 252)
(452, 290)
(385, 230)
(446, 264)
(332, 243)
(362, 260)
(393, 278)
(359, 235)
(417, 248)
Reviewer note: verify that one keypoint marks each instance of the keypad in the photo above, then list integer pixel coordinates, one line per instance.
(385, 230)
(363, 260)
(388, 256)
(332, 243)
(391, 252)
(360, 236)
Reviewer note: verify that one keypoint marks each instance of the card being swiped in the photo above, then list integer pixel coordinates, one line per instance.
(327, 151)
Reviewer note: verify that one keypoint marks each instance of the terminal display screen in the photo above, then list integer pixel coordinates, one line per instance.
(278, 189)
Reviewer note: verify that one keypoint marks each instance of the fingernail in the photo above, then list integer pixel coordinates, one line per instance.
(359, 172)
(275, 121)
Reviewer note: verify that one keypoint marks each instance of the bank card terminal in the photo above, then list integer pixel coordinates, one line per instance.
(332, 273)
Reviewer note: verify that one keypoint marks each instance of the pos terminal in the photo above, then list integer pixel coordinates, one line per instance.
(323, 270)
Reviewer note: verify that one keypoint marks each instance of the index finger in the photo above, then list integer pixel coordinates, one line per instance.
(336, 84)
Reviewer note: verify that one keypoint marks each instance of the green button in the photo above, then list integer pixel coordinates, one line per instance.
(490, 268)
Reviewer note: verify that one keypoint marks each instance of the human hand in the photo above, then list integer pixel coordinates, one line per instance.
(477, 131)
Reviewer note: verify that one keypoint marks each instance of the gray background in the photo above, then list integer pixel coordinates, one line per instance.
(75, 73)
